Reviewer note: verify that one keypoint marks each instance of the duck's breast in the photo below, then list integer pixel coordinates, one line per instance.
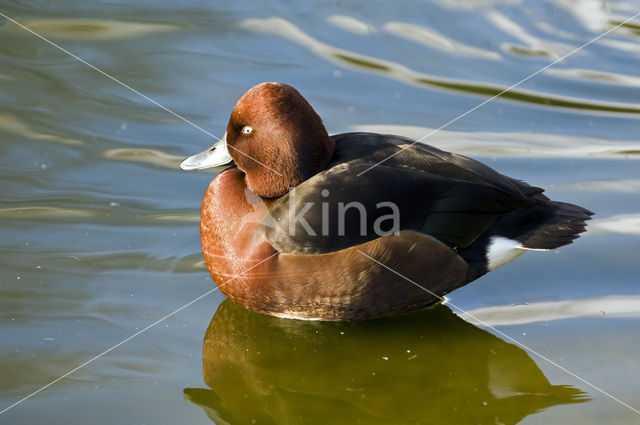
(234, 246)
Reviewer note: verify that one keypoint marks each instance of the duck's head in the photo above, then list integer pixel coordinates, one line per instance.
(274, 136)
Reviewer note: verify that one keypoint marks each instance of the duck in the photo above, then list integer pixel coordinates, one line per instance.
(356, 226)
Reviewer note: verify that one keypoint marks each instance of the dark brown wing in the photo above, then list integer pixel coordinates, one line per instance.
(453, 198)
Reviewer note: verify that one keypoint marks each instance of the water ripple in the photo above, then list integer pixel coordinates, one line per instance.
(431, 38)
(16, 126)
(601, 76)
(286, 29)
(147, 156)
(628, 224)
(29, 212)
(90, 29)
(516, 144)
(611, 306)
(350, 24)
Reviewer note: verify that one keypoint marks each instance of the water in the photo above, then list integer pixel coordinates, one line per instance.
(99, 229)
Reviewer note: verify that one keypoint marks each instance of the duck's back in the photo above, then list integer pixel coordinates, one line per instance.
(455, 199)
(368, 151)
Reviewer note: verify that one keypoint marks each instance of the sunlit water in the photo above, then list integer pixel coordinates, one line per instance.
(99, 229)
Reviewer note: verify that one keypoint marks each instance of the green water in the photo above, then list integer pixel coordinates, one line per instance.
(426, 367)
(99, 229)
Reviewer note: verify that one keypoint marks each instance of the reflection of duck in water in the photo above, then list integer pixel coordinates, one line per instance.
(425, 367)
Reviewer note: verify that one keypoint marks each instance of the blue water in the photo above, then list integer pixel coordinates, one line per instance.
(99, 228)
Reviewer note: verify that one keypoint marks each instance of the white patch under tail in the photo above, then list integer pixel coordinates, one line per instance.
(501, 250)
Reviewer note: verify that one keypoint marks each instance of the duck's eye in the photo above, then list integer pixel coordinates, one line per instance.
(247, 130)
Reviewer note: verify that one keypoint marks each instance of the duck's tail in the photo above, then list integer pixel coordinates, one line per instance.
(558, 224)
(541, 227)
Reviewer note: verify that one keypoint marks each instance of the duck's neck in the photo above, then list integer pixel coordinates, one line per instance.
(288, 170)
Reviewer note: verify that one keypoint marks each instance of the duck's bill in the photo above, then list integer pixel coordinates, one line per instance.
(215, 156)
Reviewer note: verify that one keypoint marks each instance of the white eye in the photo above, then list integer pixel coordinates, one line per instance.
(246, 129)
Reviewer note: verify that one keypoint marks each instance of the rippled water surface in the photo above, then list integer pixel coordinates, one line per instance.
(99, 229)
